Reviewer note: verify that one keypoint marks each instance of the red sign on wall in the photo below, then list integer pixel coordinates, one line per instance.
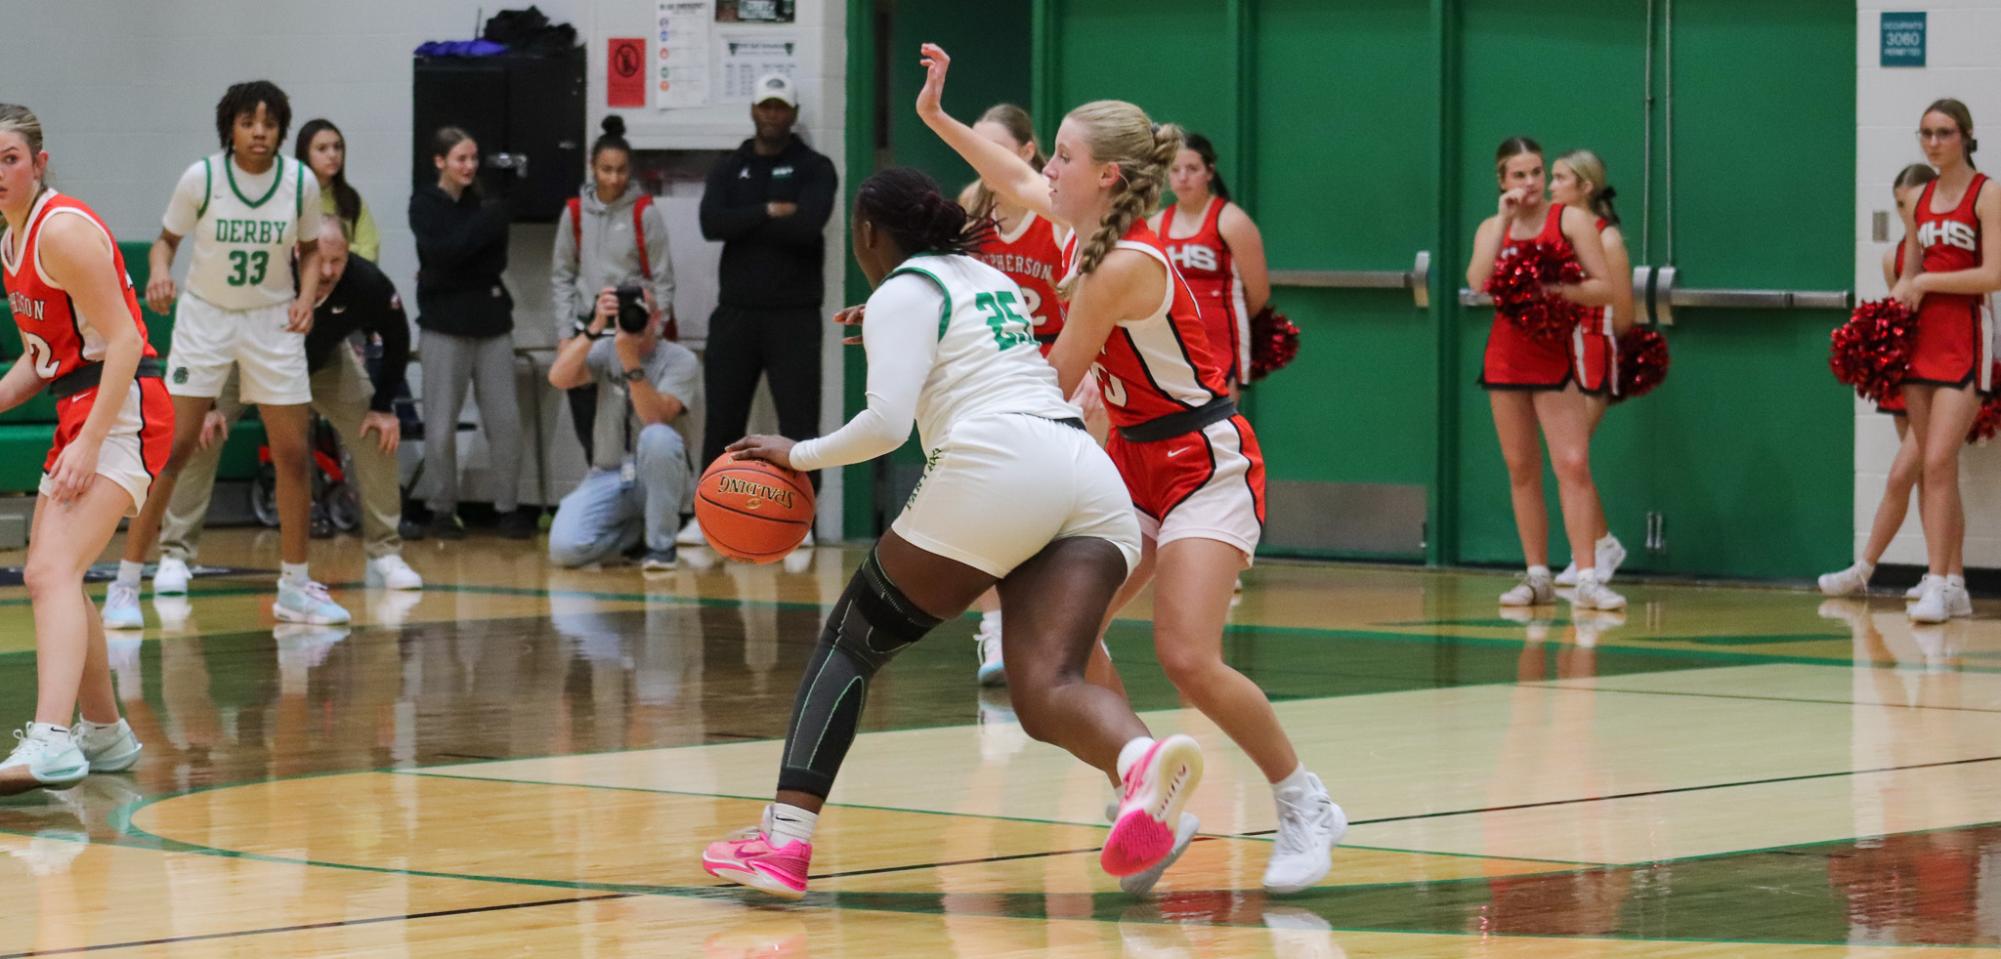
(625, 72)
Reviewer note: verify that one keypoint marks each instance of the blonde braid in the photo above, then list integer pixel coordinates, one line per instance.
(1143, 153)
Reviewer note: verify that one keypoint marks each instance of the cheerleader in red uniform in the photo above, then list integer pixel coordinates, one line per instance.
(1905, 467)
(1218, 250)
(1029, 249)
(84, 341)
(1946, 279)
(1532, 383)
(1577, 179)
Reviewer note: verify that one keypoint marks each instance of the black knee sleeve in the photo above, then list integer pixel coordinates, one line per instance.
(872, 622)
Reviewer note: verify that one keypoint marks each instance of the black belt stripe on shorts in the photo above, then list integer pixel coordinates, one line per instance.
(88, 375)
(1180, 424)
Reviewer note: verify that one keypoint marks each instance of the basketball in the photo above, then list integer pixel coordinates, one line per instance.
(752, 510)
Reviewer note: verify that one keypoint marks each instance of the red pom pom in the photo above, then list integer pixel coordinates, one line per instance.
(1872, 351)
(1518, 287)
(1986, 423)
(1643, 362)
(1274, 342)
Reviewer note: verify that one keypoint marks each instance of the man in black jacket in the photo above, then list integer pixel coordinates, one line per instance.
(768, 202)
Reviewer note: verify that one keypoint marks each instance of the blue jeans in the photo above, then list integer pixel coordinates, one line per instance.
(604, 516)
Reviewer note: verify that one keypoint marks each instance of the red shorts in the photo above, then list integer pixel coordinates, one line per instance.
(1208, 484)
(1953, 346)
(1518, 361)
(135, 451)
(1595, 357)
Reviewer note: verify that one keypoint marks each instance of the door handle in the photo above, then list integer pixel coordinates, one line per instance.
(1417, 279)
(1668, 295)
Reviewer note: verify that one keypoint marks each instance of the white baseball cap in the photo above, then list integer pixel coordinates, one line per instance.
(776, 86)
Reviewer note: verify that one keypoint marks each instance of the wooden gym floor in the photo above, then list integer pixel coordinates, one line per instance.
(521, 761)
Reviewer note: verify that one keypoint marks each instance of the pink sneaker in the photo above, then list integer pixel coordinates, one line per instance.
(1157, 787)
(747, 858)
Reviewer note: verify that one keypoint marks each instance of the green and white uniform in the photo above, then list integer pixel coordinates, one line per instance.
(232, 312)
(1008, 465)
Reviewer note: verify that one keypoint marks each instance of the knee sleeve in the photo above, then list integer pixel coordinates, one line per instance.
(872, 622)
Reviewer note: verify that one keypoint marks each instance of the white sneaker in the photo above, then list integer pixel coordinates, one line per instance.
(1568, 577)
(992, 671)
(1610, 553)
(1911, 595)
(1532, 590)
(309, 604)
(801, 558)
(1958, 602)
(1847, 582)
(1310, 825)
(1933, 604)
(171, 576)
(45, 759)
(391, 572)
(1593, 594)
(121, 608)
(1001, 734)
(1142, 882)
(110, 748)
(691, 534)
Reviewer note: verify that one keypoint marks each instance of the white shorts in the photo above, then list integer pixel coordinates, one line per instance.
(121, 459)
(209, 340)
(1002, 487)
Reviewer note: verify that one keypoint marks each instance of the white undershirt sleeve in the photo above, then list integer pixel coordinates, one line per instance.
(900, 335)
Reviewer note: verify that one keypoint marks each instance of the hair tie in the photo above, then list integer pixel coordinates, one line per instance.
(1607, 193)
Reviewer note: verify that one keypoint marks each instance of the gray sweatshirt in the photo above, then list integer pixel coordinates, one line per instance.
(609, 255)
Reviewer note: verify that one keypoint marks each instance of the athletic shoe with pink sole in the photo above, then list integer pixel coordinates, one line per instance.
(748, 858)
(1157, 787)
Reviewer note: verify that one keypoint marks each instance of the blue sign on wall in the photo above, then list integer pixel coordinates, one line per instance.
(1903, 39)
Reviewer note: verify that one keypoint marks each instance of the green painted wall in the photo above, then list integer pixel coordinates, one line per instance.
(1358, 133)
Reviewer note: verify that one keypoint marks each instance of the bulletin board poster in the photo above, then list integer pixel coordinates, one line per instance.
(681, 54)
(747, 56)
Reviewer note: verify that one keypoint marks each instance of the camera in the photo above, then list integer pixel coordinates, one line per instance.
(632, 311)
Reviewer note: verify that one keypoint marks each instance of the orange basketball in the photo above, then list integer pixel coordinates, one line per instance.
(752, 510)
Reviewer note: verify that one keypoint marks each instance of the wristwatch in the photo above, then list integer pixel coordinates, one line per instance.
(635, 375)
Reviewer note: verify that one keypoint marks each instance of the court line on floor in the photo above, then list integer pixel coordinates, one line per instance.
(304, 927)
(1747, 696)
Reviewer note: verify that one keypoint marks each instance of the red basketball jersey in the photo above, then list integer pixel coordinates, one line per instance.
(1204, 259)
(1031, 257)
(1160, 365)
(57, 340)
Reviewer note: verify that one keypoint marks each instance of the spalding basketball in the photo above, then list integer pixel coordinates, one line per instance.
(752, 510)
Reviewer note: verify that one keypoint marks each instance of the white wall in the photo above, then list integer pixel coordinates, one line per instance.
(126, 90)
(1962, 37)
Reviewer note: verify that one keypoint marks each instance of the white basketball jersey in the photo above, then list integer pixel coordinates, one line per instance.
(987, 360)
(245, 229)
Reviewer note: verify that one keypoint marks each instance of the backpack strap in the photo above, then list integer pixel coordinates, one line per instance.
(576, 208)
(639, 232)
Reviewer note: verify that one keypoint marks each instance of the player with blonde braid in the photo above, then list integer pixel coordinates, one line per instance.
(1189, 459)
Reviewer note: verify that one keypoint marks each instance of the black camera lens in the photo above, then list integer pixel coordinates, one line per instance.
(632, 312)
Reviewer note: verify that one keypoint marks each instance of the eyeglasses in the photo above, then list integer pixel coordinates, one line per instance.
(1937, 133)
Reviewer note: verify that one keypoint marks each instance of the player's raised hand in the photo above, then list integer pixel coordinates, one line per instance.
(931, 97)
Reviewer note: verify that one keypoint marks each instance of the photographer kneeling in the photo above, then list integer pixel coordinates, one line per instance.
(640, 476)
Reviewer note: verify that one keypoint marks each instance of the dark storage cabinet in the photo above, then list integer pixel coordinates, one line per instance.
(519, 108)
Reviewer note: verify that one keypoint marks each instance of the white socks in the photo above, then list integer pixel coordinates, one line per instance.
(1295, 783)
(293, 573)
(1541, 572)
(128, 573)
(1956, 581)
(1131, 752)
(785, 824)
